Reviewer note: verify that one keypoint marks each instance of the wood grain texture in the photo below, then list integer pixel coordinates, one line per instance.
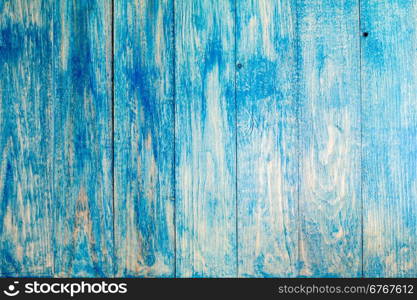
(267, 138)
(25, 140)
(82, 137)
(144, 138)
(389, 78)
(330, 174)
(205, 139)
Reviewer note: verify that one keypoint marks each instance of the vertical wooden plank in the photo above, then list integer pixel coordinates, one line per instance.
(330, 202)
(205, 139)
(83, 237)
(267, 170)
(144, 138)
(25, 141)
(389, 89)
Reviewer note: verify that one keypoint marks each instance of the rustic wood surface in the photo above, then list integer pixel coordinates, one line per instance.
(199, 138)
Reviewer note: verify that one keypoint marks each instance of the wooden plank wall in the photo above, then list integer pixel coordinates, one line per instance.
(169, 138)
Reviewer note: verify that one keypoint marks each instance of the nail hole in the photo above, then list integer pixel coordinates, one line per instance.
(365, 34)
(239, 66)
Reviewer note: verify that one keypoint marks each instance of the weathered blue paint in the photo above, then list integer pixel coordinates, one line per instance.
(82, 137)
(267, 154)
(207, 138)
(144, 138)
(389, 89)
(205, 131)
(25, 139)
(56, 170)
(329, 138)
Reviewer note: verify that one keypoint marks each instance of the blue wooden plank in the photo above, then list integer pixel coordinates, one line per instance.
(389, 92)
(25, 141)
(82, 136)
(330, 168)
(205, 152)
(144, 138)
(267, 138)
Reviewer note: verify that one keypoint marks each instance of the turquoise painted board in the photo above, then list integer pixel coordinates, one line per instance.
(330, 148)
(26, 114)
(267, 137)
(389, 89)
(56, 139)
(82, 137)
(205, 138)
(144, 138)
